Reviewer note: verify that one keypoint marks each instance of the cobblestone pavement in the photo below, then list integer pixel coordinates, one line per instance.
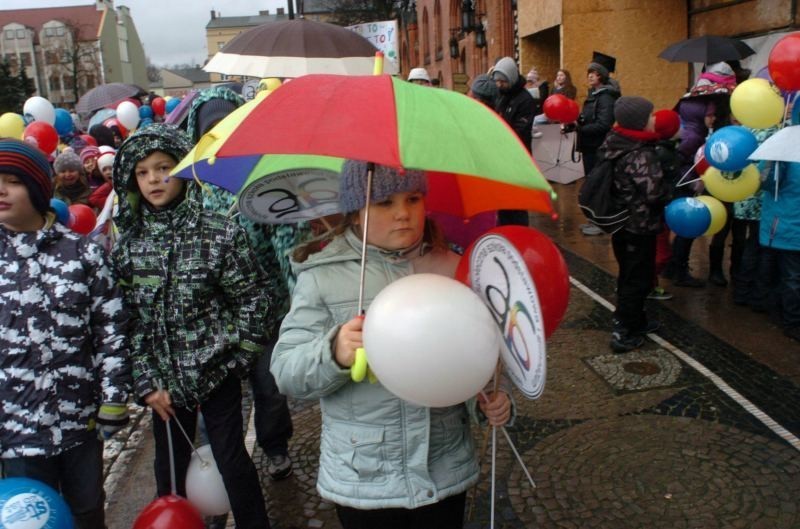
(635, 440)
(687, 432)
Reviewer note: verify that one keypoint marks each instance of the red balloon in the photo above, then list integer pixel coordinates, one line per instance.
(159, 105)
(784, 62)
(89, 139)
(81, 219)
(114, 122)
(559, 107)
(545, 264)
(701, 166)
(43, 135)
(169, 512)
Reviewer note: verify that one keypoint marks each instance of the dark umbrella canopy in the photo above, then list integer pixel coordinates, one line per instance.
(105, 95)
(707, 49)
(292, 48)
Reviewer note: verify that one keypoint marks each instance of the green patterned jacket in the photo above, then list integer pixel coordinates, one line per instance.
(198, 297)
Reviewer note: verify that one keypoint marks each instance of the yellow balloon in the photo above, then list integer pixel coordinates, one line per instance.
(732, 187)
(11, 126)
(719, 215)
(757, 104)
(269, 84)
(167, 98)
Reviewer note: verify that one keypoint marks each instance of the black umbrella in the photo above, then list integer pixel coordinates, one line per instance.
(707, 49)
(104, 95)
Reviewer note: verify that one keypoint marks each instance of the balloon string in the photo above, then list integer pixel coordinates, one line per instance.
(189, 440)
(494, 468)
(172, 480)
(680, 180)
(516, 453)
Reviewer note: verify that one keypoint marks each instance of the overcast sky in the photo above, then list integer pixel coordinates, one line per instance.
(172, 31)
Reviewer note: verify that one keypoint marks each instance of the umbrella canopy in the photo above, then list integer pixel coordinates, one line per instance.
(780, 147)
(292, 48)
(471, 155)
(707, 49)
(105, 95)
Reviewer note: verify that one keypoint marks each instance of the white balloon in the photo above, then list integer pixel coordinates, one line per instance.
(37, 108)
(430, 340)
(204, 486)
(128, 115)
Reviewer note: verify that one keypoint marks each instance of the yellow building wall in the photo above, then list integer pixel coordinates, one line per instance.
(633, 31)
(713, 17)
(213, 39)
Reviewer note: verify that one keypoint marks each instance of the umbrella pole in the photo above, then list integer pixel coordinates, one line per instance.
(364, 229)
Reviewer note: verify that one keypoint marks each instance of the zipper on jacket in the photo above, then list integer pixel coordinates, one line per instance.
(773, 229)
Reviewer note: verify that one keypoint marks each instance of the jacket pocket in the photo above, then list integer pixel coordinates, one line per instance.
(450, 438)
(353, 452)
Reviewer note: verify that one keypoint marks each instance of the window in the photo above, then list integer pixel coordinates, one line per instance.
(437, 30)
(60, 31)
(55, 83)
(123, 51)
(20, 34)
(49, 32)
(51, 57)
(26, 58)
(426, 40)
(220, 45)
(68, 82)
(9, 34)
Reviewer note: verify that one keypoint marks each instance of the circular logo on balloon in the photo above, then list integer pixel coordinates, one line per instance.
(27, 510)
(498, 274)
(719, 152)
(291, 196)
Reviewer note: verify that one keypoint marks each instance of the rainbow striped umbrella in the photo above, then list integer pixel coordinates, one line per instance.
(474, 160)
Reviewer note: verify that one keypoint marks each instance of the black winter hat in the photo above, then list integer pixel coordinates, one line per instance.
(633, 112)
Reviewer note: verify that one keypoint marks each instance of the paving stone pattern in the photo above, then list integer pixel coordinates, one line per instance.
(637, 440)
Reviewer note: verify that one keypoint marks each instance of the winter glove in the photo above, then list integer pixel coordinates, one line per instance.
(111, 418)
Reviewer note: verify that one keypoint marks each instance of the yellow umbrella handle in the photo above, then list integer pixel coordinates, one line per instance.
(359, 368)
(378, 68)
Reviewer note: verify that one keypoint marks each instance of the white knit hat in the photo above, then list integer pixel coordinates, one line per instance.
(105, 160)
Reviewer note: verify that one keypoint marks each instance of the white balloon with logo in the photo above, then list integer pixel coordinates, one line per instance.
(430, 340)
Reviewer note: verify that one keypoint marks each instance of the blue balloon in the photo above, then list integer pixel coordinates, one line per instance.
(61, 209)
(688, 217)
(145, 122)
(171, 104)
(26, 502)
(145, 112)
(796, 112)
(729, 148)
(63, 124)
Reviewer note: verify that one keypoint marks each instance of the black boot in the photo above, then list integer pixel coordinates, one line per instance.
(715, 275)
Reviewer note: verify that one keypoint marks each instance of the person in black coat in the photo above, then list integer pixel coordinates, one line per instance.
(516, 106)
(597, 115)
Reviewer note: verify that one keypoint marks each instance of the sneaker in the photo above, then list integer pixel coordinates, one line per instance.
(687, 280)
(591, 229)
(651, 326)
(623, 342)
(659, 293)
(279, 467)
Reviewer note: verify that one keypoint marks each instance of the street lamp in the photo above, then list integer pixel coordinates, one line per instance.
(467, 12)
(454, 52)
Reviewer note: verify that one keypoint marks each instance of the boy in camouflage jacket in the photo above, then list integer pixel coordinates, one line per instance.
(199, 312)
(63, 350)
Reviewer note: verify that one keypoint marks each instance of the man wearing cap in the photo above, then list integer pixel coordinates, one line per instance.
(638, 183)
(419, 76)
(595, 121)
(516, 106)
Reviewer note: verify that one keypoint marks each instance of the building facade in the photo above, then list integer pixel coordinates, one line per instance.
(69, 50)
(458, 39)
